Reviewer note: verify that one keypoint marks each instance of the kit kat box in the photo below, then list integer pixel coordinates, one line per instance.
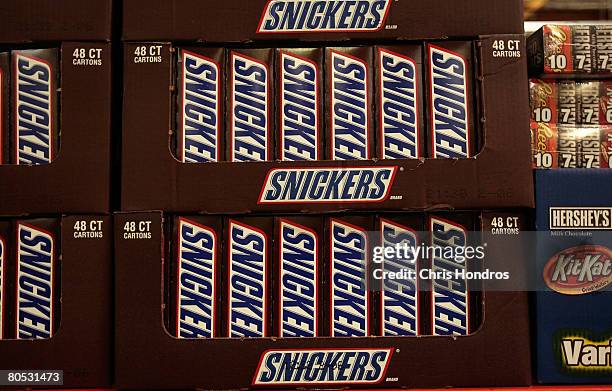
(574, 269)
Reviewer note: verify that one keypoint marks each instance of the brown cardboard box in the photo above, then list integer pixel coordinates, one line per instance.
(27, 21)
(78, 178)
(147, 357)
(81, 346)
(497, 177)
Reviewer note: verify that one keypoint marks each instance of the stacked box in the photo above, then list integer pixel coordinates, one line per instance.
(300, 304)
(56, 276)
(295, 295)
(52, 270)
(570, 118)
(44, 106)
(568, 123)
(570, 50)
(288, 184)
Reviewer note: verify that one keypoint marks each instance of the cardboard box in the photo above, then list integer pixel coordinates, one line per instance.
(81, 346)
(499, 176)
(78, 179)
(477, 360)
(257, 20)
(572, 310)
(576, 50)
(569, 123)
(28, 21)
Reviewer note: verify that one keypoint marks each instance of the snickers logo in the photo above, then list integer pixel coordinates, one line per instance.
(450, 297)
(196, 290)
(250, 106)
(200, 101)
(400, 297)
(349, 108)
(449, 107)
(247, 293)
(399, 124)
(2, 285)
(299, 115)
(327, 185)
(322, 366)
(33, 113)
(319, 16)
(299, 296)
(350, 308)
(35, 263)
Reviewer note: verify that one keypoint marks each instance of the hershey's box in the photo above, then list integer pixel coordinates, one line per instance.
(574, 269)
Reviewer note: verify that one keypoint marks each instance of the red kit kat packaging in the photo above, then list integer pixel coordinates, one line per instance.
(451, 100)
(250, 105)
(5, 77)
(399, 90)
(37, 279)
(300, 114)
(299, 276)
(35, 131)
(194, 270)
(349, 103)
(248, 303)
(201, 126)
